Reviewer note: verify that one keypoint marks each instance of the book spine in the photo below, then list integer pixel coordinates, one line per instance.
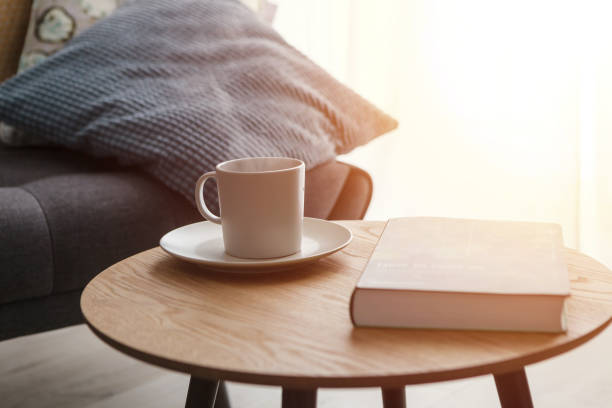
(351, 307)
(355, 289)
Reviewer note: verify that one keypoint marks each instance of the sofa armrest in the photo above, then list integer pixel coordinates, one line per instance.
(354, 199)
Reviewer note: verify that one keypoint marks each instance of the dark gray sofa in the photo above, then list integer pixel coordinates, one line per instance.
(64, 217)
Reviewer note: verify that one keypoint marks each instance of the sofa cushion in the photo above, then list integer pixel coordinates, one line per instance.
(26, 256)
(97, 219)
(64, 217)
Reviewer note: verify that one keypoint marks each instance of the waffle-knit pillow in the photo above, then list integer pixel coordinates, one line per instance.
(177, 86)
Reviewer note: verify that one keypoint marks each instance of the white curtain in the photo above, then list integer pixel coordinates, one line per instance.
(505, 107)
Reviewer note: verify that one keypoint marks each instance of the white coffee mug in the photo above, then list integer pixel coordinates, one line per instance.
(261, 202)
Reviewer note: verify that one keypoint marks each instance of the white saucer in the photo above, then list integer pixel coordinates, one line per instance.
(202, 243)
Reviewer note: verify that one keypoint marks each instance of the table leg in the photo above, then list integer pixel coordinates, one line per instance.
(222, 398)
(293, 398)
(394, 397)
(513, 389)
(204, 393)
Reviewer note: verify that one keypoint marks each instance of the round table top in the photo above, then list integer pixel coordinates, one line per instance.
(293, 328)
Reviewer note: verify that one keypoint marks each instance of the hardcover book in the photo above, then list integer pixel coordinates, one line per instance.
(446, 273)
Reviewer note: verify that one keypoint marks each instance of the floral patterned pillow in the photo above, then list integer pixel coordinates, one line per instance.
(55, 22)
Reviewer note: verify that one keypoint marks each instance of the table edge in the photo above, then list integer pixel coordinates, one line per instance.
(394, 380)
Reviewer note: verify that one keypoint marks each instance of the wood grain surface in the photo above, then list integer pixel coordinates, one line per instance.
(293, 328)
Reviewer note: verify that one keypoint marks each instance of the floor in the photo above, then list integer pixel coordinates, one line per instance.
(71, 368)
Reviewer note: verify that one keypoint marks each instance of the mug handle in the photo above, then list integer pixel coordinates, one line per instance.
(199, 198)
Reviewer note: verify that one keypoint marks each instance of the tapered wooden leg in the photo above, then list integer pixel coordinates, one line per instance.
(202, 393)
(394, 397)
(299, 398)
(513, 390)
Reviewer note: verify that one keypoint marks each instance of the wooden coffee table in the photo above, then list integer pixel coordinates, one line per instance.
(292, 328)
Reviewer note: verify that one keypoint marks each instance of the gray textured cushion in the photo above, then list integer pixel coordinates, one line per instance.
(176, 86)
(26, 259)
(97, 219)
(65, 217)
